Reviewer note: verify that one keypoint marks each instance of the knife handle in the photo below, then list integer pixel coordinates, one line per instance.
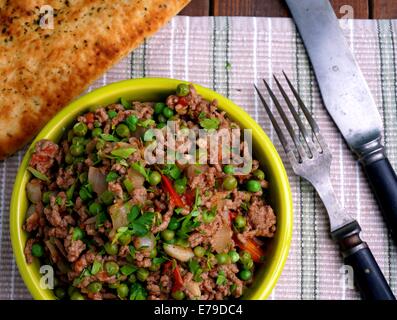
(368, 277)
(383, 181)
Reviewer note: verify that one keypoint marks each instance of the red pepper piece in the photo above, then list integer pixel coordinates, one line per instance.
(178, 281)
(173, 194)
(183, 101)
(252, 248)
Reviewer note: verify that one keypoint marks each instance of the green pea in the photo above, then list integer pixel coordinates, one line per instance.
(234, 256)
(153, 253)
(249, 265)
(122, 130)
(174, 224)
(207, 217)
(107, 197)
(111, 268)
(125, 238)
(132, 119)
(100, 144)
(95, 208)
(228, 169)
(155, 267)
(180, 186)
(182, 90)
(60, 293)
(199, 251)
(245, 257)
(132, 278)
(94, 287)
(222, 258)
(111, 248)
(182, 242)
(167, 235)
(258, 173)
(96, 132)
(37, 250)
(79, 140)
(69, 158)
(158, 107)
(142, 274)
(253, 186)
(178, 295)
(240, 222)
(229, 183)
(154, 178)
(245, 275)
(76, 296)
(167, 112)
(80, 129)
(76, 149)
(122, 290)
(47, 196)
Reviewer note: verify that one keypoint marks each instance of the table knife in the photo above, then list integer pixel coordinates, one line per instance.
(347, 97)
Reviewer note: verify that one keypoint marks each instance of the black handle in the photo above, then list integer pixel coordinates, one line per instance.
(383, 181)
(367, 275)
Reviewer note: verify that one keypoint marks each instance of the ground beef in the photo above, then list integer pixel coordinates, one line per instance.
(45, 154)
(165, 219)
(73, 247)
(28, 250)
(262, 218)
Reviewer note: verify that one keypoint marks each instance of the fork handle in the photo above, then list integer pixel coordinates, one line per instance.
(368, 277)
(383, 181)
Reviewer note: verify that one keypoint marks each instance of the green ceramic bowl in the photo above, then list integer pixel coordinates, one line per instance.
(153, 89)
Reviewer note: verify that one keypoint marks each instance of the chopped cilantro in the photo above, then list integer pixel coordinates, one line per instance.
(221, 279)
(38, 174)
(209, 123)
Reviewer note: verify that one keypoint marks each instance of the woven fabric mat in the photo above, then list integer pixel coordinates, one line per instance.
(229, 55)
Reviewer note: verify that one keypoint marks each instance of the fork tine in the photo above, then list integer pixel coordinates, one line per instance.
(280, 134)
(287, 123)
(307, 114)
(301, 126)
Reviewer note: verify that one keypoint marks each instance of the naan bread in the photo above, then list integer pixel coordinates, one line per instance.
(41, 70)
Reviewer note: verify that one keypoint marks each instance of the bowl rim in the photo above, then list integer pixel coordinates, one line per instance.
(121, 88)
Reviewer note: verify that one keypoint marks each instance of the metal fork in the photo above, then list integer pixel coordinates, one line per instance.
(311, 158)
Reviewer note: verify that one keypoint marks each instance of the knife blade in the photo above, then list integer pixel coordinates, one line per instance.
(347, 98)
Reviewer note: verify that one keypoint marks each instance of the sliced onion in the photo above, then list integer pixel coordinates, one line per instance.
(178, 252)
(222, 238)
(193, 288)
(118, 212)
(33, 190)
(136, 178)
(146, 243)
(97, 180)
(31, 210)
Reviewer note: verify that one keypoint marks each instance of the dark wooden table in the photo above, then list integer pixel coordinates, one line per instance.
(362, 9)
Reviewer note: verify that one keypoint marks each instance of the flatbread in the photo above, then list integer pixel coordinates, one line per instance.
(41, 70)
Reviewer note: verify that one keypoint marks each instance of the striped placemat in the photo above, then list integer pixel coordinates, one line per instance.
(229, 55)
